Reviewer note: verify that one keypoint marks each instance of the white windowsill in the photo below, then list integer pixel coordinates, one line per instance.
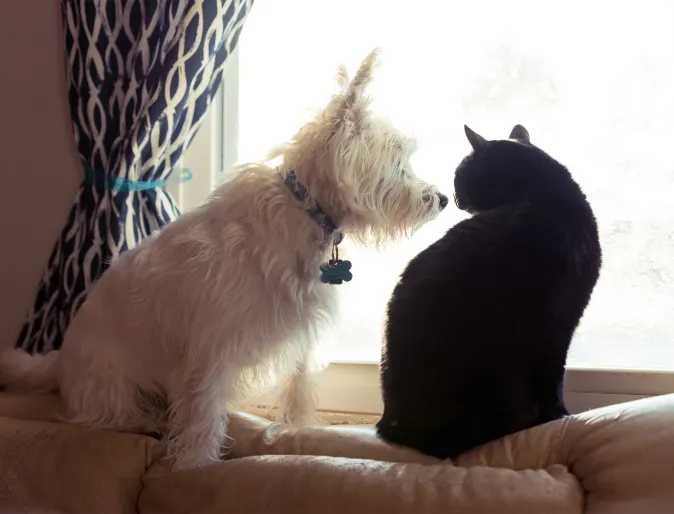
(354, 387)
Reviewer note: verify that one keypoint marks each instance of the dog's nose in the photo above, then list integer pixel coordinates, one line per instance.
(443, 200)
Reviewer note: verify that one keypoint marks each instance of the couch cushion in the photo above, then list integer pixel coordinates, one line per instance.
(272, 468)
(43, 407)
(623, 455)
(51, 467)
(253, 435)
(311, 484)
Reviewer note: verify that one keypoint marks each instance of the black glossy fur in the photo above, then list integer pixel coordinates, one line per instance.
(480, 323)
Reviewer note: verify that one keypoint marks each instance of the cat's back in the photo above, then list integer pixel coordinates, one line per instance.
(497, 273)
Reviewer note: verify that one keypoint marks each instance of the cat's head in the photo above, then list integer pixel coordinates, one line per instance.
(504, 172)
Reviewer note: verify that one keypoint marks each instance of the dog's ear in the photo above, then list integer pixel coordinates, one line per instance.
(520, 133)
(475, 139)
(355, 101)
(364, 74)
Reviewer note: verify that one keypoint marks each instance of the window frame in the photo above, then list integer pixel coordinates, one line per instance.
(353, 387)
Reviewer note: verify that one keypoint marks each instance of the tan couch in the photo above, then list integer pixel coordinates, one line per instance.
(616, 460)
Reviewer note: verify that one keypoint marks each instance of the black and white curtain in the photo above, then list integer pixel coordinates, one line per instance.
(141, 74)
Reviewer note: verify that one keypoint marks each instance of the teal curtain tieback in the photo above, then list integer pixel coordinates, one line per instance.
(103, 180)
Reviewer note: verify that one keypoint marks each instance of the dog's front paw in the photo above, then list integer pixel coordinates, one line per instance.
(298, 419)
(297, 410)
(188, 452)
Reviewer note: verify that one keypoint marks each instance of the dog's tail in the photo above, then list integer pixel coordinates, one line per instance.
(23, 372)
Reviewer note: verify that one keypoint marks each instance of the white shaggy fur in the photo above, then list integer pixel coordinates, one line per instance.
(230, 292)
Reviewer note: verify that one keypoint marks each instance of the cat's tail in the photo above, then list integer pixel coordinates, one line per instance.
(23, 372)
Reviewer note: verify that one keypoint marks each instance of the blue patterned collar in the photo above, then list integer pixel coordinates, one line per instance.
(315, 211)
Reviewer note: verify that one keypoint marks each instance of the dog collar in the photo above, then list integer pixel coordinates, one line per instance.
(335, 271)
(315, 211)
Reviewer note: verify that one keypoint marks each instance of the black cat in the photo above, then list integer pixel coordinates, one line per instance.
(479, 326)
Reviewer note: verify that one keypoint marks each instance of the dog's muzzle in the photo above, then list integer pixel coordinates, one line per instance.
(443, 201)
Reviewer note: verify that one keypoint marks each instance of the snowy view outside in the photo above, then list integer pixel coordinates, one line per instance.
(593, 82)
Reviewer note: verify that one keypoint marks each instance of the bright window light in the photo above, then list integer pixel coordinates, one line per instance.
(593, 82)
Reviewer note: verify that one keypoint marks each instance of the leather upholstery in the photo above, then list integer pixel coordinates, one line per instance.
(614, 460)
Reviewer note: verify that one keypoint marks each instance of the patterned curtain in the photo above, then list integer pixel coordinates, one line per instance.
(141, 74)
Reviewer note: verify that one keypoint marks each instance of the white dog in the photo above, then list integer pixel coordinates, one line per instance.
(183, 324)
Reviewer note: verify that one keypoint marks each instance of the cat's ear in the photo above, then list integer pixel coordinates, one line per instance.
(475, 139)
(520, 133)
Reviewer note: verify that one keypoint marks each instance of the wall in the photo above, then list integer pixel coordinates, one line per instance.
(40, 169)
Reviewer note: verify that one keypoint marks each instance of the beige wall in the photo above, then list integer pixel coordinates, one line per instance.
(40, 169)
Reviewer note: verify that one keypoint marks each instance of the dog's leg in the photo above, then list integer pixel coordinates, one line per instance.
(197, 422)
(113, 406)
(96, 398)
(298, 397)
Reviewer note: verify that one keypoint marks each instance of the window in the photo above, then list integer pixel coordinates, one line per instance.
(591, 81)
